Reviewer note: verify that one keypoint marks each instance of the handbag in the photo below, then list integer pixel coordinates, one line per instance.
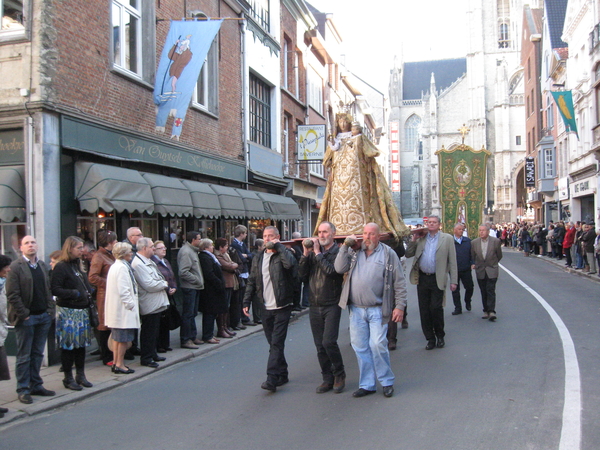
(92, 308)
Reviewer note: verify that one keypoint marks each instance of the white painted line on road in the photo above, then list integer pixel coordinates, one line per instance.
(570, 435)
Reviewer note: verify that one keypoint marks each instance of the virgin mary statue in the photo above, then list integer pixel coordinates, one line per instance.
(356, 193)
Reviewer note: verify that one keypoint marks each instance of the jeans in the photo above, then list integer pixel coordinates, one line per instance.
(368, 339)
(325, 326)
(31, 337)
(275, 326)
(466, 278)
(488, 293)
(580, 262)
(189, 311)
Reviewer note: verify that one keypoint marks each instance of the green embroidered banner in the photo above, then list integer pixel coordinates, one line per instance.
(462, 181)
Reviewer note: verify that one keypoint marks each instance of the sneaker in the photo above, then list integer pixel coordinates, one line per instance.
(189, 344)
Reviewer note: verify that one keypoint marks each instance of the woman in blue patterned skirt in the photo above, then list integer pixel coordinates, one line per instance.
(73, 295)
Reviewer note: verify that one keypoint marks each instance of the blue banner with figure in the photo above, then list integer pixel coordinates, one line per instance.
(185, 50)
(564, 102)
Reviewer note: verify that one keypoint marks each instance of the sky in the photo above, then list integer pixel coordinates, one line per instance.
(374, 31)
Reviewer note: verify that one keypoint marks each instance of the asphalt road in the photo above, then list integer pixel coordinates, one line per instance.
(494, 386)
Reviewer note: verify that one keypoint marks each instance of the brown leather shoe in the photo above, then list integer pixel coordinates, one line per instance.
(339, 383)
(324, 387)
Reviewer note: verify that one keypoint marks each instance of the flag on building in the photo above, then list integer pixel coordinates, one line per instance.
(564, 102)
(185, 50)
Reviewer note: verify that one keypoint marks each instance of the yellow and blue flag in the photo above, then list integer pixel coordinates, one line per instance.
(564, 102)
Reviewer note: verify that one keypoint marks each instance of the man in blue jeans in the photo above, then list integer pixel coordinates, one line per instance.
(374, 290)
(30, 310)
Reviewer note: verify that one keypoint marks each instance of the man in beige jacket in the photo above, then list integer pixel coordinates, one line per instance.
(434, 258)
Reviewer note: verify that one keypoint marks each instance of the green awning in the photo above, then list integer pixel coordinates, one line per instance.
(111, 188)
(171, 197)
(255, 209)
(280, 207)
(12, 193)
(232, 205)
(205, 201)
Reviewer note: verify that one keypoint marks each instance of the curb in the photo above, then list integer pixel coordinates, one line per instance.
(64, 397)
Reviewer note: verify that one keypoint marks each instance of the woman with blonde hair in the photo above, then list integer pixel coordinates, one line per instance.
(121, 308)
(73, 296)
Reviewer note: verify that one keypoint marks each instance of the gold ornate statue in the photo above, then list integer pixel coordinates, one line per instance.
(356, 193)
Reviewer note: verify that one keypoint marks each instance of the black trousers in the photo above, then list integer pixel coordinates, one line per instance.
(149, 337)
(325, 327)
(275, 326)
(102, 340)
(488, 293)
(431, 310)
(466, 278)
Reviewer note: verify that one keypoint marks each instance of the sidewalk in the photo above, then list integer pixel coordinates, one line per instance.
(101, 376)
(558, 263)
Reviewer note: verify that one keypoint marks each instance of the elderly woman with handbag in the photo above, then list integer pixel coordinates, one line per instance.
(121, 308)
(73, 299)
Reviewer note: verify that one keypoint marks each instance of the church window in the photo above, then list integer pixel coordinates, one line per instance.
(412, 136)
(503, 8)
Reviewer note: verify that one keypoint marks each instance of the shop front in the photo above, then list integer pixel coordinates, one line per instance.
(583, 194)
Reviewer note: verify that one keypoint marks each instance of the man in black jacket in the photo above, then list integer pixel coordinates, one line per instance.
(325, 287)
(462, 244)
(272, 280)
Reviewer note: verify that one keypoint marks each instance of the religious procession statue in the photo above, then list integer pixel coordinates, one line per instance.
(357, 193)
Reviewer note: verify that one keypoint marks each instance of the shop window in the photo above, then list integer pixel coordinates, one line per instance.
(89, 225)
(133, 46)
(260, 112)
(11, 234)
(228, 226)
(255, 231)
(208, 229)
(177, 233)
(207, 88)
(146, 223)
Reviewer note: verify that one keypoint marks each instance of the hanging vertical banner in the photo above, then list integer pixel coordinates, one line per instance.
(463, 186)
(395, 155)
(185, 50)
(529, 172)
(564, 102)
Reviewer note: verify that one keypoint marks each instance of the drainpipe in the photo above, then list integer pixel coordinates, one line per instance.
(245, 93)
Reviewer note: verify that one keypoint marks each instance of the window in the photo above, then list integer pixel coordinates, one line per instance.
(412, 136)
(207, 89)
(11, 234)
(89, 225)
(518, 142)
(597, 92)
(133, 39)
(286, 58)
(315, 91)
(259, 11)
(12, 18)
(503, 24)
(260, 112)
(177, 233)
(548, 165)
(296, 75)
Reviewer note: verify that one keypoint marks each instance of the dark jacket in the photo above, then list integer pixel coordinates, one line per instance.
(212, 297)
(70, 290)
(281, 268)
(588, 239)
(559, 235)
(167, 271)
(325, 284)
(241, 250)
(19, 290)
(463, 254)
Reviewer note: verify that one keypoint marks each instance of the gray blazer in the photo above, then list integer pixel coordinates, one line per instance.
(445, 260)
(486, 263)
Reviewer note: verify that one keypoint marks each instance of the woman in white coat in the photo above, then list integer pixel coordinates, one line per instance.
(121, 308)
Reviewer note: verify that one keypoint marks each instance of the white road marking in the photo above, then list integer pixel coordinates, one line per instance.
(570, 435)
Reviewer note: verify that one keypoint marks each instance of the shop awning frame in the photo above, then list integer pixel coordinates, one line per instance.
(255, 208)
(232, 205)
(280, 207)
(171, 197)
(204, 199)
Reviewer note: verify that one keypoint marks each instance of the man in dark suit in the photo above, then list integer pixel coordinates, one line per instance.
(462, 245)
(486, 252)
(30, 311)
(240, 232)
